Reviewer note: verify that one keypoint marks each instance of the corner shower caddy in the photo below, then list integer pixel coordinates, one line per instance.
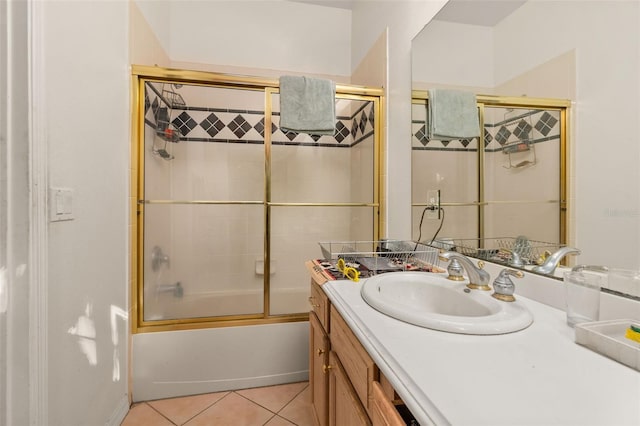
(524, 144)
(165, 130)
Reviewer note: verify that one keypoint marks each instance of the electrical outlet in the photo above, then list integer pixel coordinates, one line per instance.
(433, 204)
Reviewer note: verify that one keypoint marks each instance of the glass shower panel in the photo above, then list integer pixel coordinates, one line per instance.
(522, 173)
(326, 169)
(460, 222)
(203, 143)
(448, 166)
(201, 260)
(203, 195)
(295, 234)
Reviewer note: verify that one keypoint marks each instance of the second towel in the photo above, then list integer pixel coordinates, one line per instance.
(453, 114)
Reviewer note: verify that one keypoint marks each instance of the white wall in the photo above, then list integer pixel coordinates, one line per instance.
(86, 87)
(403, 20)
(15, 341)
(286, 36)
(471, 65)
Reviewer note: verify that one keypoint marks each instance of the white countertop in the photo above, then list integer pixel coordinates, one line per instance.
(537, 376)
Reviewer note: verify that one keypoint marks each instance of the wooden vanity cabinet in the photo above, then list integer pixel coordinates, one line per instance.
(346, 386)
(318, 378)
(345, 407)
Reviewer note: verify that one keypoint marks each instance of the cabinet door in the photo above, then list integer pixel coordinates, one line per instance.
(344, 405)
(318, 375)
(383, 413)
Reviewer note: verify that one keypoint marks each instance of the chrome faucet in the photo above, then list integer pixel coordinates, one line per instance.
(514, 258)
(158, 258)
(478, 278)
(551, 262)
(503, 286)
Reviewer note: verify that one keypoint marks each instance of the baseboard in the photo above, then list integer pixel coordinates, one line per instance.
(120, 412)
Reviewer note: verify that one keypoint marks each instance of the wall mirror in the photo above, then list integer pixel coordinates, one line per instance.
(519, 53)
(502, 196)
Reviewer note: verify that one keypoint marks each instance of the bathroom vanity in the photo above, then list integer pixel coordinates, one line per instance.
(368, 368)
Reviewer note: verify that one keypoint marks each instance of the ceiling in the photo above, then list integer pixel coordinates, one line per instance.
(472, 12)
(486, 13)
(340, 4)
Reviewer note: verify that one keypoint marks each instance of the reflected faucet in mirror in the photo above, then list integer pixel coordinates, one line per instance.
(552, 261)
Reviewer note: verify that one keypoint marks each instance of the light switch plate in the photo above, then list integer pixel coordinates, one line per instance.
(60, 204)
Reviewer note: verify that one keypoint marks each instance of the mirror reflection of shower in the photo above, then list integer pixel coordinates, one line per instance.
(519, 144)
(160, 115)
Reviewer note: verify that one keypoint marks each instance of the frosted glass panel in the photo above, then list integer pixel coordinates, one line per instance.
(217, 150)
(295, 234)
(326, 169)
(200, 261)
(206, 199)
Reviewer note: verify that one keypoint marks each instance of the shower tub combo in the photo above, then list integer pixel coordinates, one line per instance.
(228, 208)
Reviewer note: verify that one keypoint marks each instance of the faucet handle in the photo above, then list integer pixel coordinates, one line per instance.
(455, 270)
(503, 287)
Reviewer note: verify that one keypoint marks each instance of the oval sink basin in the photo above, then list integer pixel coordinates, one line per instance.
(433, 301)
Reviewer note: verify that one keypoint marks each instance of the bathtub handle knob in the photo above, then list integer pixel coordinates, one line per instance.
(312, 304)
(326, 368)
(320, 352)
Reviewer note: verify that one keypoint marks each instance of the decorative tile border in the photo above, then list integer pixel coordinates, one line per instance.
(543, 126)
(218, 125)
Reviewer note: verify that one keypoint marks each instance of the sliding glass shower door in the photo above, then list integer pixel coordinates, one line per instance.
(230, 207)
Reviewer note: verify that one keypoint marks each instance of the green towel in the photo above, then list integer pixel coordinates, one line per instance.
(453, 114)
(307, 105)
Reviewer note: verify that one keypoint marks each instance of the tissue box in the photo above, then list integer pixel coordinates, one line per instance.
(607, 338)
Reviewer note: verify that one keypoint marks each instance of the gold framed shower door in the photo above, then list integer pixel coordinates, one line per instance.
(139, 203)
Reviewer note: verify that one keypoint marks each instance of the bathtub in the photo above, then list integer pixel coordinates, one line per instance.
(187, 362)
(221, 303)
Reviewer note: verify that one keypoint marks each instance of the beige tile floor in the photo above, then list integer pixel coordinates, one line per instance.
(282, 405)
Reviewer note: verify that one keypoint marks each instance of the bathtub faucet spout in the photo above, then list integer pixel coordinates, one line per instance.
(176, 289)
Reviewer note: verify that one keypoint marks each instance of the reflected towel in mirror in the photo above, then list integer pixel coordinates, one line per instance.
(453, 114)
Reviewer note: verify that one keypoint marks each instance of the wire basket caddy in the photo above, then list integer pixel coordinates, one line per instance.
(372, 257)
(500, 250)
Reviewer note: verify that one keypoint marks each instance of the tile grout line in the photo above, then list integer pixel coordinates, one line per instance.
(154, 409)
(254, 402)
(275, 414)
(259, 405)
(294, 397)
(287, 404)
(206, 408)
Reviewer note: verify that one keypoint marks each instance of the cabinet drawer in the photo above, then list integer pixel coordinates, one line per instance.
(357, 363)
(319, 304)
(383, 412)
